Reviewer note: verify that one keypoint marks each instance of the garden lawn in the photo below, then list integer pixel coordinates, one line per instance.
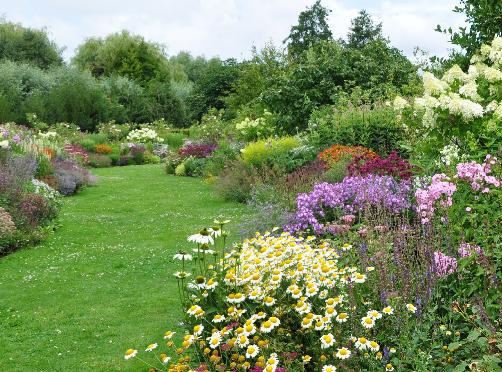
(103, 281)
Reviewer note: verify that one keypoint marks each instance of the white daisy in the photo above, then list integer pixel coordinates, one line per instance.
(327, 341)
(328, 368)
(252, 351)
(343, 353)
(368, 322)
(130, 353)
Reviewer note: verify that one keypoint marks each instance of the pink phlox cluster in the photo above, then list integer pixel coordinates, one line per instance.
(466, 250)
(478, 174)
(443, 264)
(440, 189)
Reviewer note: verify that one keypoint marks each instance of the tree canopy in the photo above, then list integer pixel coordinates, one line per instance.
(23, 44)
(312, 28)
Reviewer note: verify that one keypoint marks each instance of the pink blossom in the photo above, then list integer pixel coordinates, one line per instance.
(443, 264)
(466, 250)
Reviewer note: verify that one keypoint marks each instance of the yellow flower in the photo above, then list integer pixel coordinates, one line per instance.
(389, 367)
(306, 359)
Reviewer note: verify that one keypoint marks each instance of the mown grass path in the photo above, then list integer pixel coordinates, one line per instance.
(103, 282)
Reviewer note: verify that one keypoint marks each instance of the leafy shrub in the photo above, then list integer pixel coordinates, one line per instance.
(255, 129)
(113, 131)
(88, 144)
(264, 152)
(37, 210)
(103, 149)
(372, 127)
(225, 152)
(180, 170)
(174, 140)
(70, 176)
(100, 161)
(44, 167)
(172, 160)
(194, 167)
(460, 107)
(137, 153)
(236, 181)
(150, 158)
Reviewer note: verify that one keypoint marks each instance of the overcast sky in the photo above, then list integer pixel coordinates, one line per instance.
(228, 28)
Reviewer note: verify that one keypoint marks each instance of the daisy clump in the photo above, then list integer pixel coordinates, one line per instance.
(279, 302)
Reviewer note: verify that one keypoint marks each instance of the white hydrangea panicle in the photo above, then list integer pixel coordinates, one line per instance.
(432, 85)
(453, 74)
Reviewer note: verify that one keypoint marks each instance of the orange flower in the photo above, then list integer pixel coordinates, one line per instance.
(103, 149)
(49, 152)
(336, 153)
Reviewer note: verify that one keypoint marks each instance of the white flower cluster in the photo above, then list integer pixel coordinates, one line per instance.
(4, 144)
(450, 155)
(457, 91)
(47, 135)
(144, 135)
(43, 189)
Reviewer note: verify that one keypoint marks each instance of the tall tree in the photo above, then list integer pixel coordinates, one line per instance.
(22, 44)
(484, 18)
(312, 28)
(363, 30)
(123, 54)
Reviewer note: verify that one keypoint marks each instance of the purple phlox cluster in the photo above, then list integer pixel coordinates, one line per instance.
(478, 174)
(466, 250)
(440, 189)
(443, 264)
(351, 195)
(5, 133)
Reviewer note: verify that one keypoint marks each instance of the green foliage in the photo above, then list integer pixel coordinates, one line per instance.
(312, 28)
(123, 54)
(211, 127)
(485, 22)
(260, 127)
(236, 181)
(174, 140)
(100, 161)
(22, 44)
(267, 152)
(255, 76)
(214, 80)
(328, 71)
(374, 127)
(194, 167)
(363, 30)
(180, 170)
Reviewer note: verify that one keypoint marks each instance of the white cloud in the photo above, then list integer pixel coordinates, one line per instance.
(228, 28)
